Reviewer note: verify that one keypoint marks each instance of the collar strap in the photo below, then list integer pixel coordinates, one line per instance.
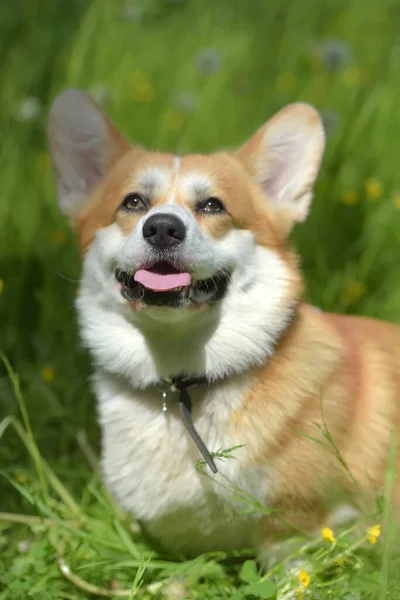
(181, 385)
(174, 384)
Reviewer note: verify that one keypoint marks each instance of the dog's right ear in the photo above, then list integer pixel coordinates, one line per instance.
(84, 144)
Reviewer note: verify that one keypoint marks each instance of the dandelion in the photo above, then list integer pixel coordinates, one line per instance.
(173, 120)
(327, 535)
(28, 109)
(304, 578)
(286, 82)
(187, 101)
(353, 292)
(335, 54)
(350, 197)
(1, 286)
(373, 534)
(57, 237)
(351, 76)
(373, 188)
(142, 89)
(48, 374)
(208, 61)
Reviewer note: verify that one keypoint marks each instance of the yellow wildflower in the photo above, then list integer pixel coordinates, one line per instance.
(299, 593)
(353, 292)
(143, 91)
(48, 374)
(304, 578)
(1, 286)
(349, 197)
(373, 188)
(373, 533)
(173, 120)
(327, 535)
(21, 477)
(286, 82)
(57, 237)
(139, 77)
(396, 200)
(351, 76)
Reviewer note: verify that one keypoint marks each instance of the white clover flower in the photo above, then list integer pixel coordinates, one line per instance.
(132, 12)
(175, 590)
(186, 101)
(208, 61)
(335, 54)
(28, 109)
(23, 546)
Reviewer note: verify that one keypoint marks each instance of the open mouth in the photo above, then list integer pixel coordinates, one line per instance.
(164, 285)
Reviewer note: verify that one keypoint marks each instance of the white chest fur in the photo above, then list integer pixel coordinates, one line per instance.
(149, 464)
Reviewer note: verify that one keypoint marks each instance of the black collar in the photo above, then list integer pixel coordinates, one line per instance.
(181, 384)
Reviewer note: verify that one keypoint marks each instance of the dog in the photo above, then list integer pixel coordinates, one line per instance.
(190, 303)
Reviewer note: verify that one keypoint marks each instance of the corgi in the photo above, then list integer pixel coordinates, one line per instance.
(187, 272)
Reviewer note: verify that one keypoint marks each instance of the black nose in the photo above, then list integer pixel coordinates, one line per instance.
(164, 230)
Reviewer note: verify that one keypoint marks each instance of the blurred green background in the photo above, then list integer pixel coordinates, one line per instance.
(184, 75)
(187, 75)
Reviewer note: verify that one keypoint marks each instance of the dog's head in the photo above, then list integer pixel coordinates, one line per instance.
(169, 239)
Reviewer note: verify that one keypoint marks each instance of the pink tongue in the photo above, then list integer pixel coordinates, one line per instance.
(161, 283)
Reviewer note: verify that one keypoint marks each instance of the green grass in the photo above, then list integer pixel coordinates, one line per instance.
(267, 54)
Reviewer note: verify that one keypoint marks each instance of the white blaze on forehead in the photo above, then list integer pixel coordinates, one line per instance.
(177, 164)
(177, 168)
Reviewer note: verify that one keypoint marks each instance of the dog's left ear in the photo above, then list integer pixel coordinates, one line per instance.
(284, 157)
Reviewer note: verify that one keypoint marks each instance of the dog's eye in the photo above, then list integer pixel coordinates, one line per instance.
(134, 202)
(211, 206)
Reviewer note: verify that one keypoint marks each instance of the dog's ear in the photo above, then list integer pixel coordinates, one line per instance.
(83, 145)
(284, 156)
